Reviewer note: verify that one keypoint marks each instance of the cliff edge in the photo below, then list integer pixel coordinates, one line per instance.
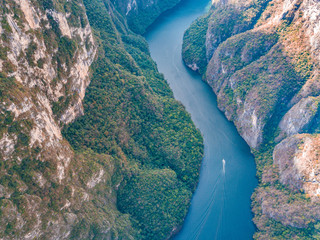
(261, 58)
(91, 138)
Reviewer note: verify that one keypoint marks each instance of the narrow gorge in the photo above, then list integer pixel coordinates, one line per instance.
(92, 143)
(261, 58)
(220, 206)
(97, 143)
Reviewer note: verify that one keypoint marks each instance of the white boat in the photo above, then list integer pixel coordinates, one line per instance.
(223, 165)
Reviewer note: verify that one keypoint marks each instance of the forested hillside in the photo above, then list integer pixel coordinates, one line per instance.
(93, 144)
(261, 58)
(130, 112)
(142, 13)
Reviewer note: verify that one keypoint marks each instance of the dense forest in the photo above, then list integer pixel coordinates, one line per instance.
(93, 144)
(131, 115)
(264, 73)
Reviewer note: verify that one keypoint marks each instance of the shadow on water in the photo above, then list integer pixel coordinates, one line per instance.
(180, 6)
(220, 208)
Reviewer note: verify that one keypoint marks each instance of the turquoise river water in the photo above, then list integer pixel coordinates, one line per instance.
(220, 208)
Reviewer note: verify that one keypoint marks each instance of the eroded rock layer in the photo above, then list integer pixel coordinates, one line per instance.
(91, 138)
(261, 58)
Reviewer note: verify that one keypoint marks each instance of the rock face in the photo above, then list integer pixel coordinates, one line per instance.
(54, 66)
(141, 13)
(300, 118)
(34, 59)
(46, 53)
(297, 159)
(262, 61)
(241, 38)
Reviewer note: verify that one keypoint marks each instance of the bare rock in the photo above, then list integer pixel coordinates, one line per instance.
(297, 159)
(299, 117)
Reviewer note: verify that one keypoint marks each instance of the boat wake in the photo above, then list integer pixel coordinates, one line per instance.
(204, 217)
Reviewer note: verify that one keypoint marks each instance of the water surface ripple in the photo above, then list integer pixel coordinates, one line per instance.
(220, 208)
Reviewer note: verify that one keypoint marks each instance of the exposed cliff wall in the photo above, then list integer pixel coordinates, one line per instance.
(85, 120)
(141, 13)
(46, 52)
(262, 61)
(297, 158)
(130, 114)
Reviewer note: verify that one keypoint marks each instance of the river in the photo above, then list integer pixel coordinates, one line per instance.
(220, 207)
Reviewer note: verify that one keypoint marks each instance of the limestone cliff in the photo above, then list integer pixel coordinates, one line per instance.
(297, 158)
(141, 13)
(262, 61)
(84, 119)
(46, 51)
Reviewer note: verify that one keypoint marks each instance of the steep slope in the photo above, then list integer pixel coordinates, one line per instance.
(45, 60)
(261, 58)
(141, 13)
(153, 135)
(120, 132)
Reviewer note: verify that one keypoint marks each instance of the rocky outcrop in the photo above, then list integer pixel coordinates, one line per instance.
(300, 117)
(46, 53)
(42, 67)
(45, 73)
(263, 64)
(54, 189)
(228, 18)
(37, 68)
(297, 159)
(294, 212)
(142, 13)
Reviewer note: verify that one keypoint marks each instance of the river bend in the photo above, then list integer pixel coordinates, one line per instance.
(220, 208)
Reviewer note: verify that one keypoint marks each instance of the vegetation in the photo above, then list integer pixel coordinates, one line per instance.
(130, 114)
(254, 69)
(142, 17)
(194, 44)
(159, 197)
(134, 146)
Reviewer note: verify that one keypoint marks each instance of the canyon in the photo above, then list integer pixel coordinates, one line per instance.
(261, 58)
(92, 140)
(93, 144)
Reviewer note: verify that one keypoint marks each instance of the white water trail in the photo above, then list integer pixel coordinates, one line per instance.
(204, 216)
(223, 199)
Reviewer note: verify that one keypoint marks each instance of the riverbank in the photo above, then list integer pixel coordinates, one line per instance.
(261, 59)
(220, 207)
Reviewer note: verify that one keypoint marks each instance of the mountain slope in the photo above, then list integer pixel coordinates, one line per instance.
(86, 122)
(142, 13)
(261, 58)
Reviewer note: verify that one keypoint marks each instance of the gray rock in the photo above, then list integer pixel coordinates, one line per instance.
(299, 117)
